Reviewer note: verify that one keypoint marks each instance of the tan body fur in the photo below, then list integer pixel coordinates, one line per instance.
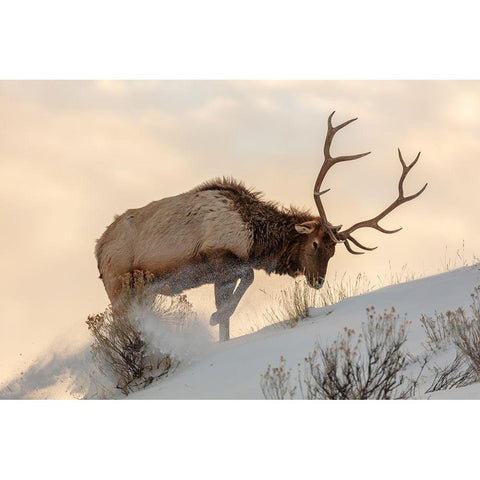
(169, 233)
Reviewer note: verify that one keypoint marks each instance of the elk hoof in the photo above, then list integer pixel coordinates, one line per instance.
(215, 318)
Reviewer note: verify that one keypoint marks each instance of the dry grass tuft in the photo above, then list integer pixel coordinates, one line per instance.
(460, 259)
(293, 304)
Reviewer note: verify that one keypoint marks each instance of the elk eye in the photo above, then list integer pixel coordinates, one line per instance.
(315, 245)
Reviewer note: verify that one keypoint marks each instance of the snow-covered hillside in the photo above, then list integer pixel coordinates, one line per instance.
(232, 370)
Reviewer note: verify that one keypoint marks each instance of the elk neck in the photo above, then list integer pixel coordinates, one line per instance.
(276, 245)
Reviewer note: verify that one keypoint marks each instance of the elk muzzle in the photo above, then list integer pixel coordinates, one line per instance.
(316, 283)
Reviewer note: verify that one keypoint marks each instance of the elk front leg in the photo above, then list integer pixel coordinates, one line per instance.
(223, 295)
(227, 299)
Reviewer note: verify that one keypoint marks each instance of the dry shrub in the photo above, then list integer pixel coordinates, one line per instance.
(466, 331)
(439, 330)
(344, 370)
(463, 331)
(119, 349)
(364, 366)
(275, 382)
(457, 374)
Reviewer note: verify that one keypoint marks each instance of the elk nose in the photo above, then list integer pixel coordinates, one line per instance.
(318, 283)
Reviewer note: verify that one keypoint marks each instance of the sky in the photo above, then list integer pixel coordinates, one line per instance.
(75, 153)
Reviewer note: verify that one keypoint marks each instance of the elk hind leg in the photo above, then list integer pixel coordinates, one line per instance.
(133, 287)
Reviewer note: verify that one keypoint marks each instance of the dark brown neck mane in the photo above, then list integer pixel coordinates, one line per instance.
(276, 244)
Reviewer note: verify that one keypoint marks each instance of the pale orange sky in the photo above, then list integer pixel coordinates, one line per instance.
(73, 154)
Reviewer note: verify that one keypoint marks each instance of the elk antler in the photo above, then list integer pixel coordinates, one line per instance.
(327, 164)
(345, 235)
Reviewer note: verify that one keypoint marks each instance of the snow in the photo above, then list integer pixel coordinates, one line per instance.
(232, 370)
(472, 392)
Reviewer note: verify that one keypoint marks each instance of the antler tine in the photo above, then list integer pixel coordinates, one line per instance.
(350, 249)
(373, 222)
(331, 233)
(331, 132)
(328, 162)
(406, 168)
(358, 244)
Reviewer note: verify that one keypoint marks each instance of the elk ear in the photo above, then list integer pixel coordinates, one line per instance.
(306, 227)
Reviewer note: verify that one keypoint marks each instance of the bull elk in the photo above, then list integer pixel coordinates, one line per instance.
(220, 231)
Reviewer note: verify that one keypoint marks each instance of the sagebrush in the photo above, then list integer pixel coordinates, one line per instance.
(369, 365)
(119, 348)
(275, 382)
(462, 330)
(364, 366)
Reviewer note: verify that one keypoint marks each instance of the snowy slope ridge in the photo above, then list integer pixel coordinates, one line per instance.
(232, 370)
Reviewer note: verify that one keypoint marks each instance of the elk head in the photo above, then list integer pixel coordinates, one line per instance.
(321, 236)
(314, 251)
